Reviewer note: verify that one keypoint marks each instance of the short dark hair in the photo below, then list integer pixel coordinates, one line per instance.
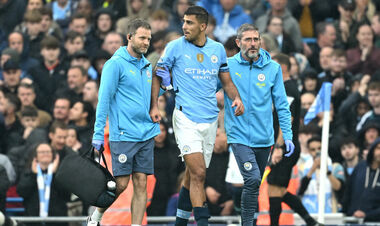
(71, 35)
(349, 140)
(78, 16)
(49, 42)
(200, 13)
(282, 59)
(29, 111)
(57, 125)
(46, 11)
(321, 28)
(27, 86)
(136, 24)
(246, 27)
(314, 138)
(82, 70)
(339, 53)
(374, 85)
(87, 107)
(33, 16)
(13, 99)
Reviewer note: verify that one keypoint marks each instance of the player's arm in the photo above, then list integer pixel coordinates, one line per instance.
(154, 112)
(232, 92)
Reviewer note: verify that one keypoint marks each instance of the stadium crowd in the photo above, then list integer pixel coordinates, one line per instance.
(53, 52)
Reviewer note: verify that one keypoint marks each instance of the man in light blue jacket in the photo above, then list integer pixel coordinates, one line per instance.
(259, 81)
(124, 96)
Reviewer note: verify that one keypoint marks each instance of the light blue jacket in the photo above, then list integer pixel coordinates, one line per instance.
(124, 96)
(259, 84)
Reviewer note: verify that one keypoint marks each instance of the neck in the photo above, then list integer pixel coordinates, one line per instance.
(81, 122)
(200, 41)
(352, 163)
(375, 165)
(278, 12)
(321, 43)
(366, 46)
(132, 52)
(376, 110)
(44, 166)
(95, 103)
(285, 76)
(51, 63)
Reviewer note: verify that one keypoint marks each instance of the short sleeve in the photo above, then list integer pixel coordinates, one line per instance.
(168, 56)
(223, 61)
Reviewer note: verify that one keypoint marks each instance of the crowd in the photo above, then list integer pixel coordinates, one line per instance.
(53, 53)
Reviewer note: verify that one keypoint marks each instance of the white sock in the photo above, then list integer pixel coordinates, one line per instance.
(135, 225)
(2, 218)
(96, 215)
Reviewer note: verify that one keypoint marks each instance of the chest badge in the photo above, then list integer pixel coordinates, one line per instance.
(261, 77)
(214, 59)
(200, 57)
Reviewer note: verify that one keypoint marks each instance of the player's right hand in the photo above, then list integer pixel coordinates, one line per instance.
(155, 114)
(98, 144)
(165, 77)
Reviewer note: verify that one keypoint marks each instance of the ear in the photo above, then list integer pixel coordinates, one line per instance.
(84, 114)
(203, 26)
(129, 36)
(51, 135)
(237, 41)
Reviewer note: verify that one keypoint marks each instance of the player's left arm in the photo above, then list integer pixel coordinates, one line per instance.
(232, 92)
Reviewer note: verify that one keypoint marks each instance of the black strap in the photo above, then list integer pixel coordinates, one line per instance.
(101, 156)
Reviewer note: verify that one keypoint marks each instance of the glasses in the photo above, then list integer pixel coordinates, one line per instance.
(44, 152)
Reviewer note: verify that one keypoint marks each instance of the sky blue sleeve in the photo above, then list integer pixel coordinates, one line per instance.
(168, 58)
(107, 90)
(223, 61)
(282, 106)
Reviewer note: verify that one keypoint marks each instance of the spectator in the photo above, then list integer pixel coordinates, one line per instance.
(311, 175)
(48, 26)
(43, 166)
(291, 27)
(82, 59)
(363, 59)
(4, 185)
(326, 36)
(11, 12)
(81, 117)
(346, 26)
(284, 41)
(211, 28)
(361, 196)
(27, 95)
(112, 42)
(231, 47)
(374, 101)
(98, 61)
(86, 8)
(76, 78)
(229, 16)
(159, 21)
(366, 136)
(12, 124)
(57, 135)
(135, 9)
(72, 140)
(375, 25)
(62, 11)
(33, 32)
(12, 76)
(350, 153)
(364, 11)
(310, 82)
(90, 92)
(307, 100)
(16, 42)
(79, 23)
(74, 42)
(325, 60)
(61, 109)
(103, 24)
(158, 43)
(50, 74)
(219, 199)
(176, 15)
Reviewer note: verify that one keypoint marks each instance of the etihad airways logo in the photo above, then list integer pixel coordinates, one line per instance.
(201, 71)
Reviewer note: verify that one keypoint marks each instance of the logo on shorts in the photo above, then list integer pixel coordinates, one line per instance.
(247, 166)
(214, 59)
(186, 148)
(261, 77)
(122, 158)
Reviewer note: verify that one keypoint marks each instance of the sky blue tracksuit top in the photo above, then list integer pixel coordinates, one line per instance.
(124, 96)
(259, 84)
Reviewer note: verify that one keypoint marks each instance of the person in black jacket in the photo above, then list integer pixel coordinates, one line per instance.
(362, 199)
(42, 166)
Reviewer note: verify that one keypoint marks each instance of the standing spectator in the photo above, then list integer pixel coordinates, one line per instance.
(291, 26)
(363, 59)
(362, 191)
(112, 42)
(176, 15)
(374, 101)
(79, 23)
(135, 9)
(33, 32)
(61, 109)
(229, 16)
(284, 41)
(46, 198)
(375, 25)
(12, 76)
(74, 42)
(325, 60)
(350, 153)
(90, 92)
(48, 25)
(346, 27)
(81, 116)
(11, 12)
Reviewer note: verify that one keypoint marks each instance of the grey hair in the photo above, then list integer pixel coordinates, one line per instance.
(246, 27)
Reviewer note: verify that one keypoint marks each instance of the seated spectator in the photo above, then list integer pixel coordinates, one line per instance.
(366, 136)
(50, 74)
(90, 93)
(82, 59)
(350, 153)
(98, 61)
(11, 122)
(325, 60)
(57, 136)
(375, 25)
(27, 95)
(62, 10)
(112, 42)
(361, 198)
(363, 59)
(346, 26)
(76, 78)
(61, 109)
(159, 21)
(374, 101)
(33, 32)
(311, 175)
(79, 23)
(158, 44)
(85, 7)
(46, 198)
(210, 29)
(310, 82)
(81, 117)
(284, 41)
(12, 76)
(307, 100)
(48, 25)
(4, 185)
(72, 140)
(74, 42)
(231, 47)
(11, 54)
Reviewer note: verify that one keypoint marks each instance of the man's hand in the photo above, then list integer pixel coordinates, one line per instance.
(212, 195)
(165, 77)
(155, 114)
(276, 155)
(289, 148)
(98, 144)
(239, 106)
(359, 214)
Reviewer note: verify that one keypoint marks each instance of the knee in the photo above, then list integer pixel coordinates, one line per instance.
(139, 182)
(252, 183)
(121, 186)
(198, 175)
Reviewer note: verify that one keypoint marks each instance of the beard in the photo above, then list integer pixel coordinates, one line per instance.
(139, 49)
(249, 55)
